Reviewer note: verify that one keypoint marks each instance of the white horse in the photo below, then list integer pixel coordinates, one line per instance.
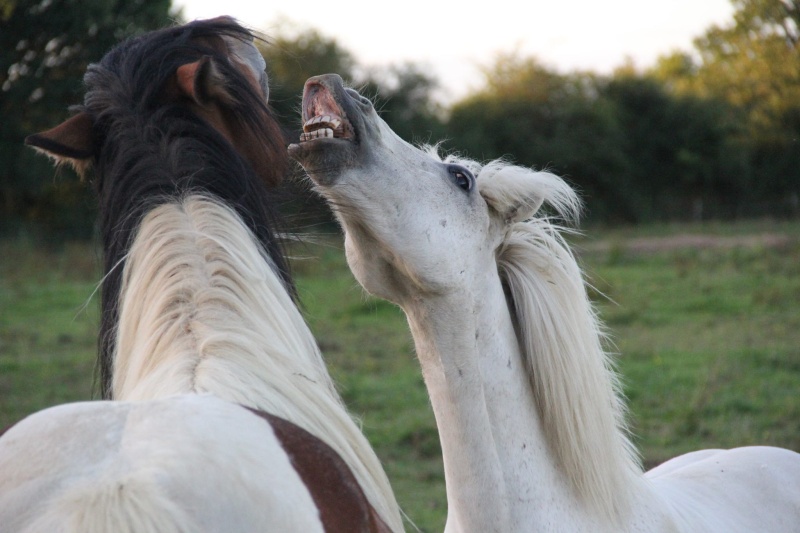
(529, 415)
(198, 321)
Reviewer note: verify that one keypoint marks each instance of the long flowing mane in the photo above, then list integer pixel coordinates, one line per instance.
(576, 389)
(144, 145)
(219, 320)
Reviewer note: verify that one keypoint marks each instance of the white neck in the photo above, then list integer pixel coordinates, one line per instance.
(499, 470)
(477, 495)
(497, 465)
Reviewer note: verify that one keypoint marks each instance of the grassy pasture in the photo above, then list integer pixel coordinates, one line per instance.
(705, 318)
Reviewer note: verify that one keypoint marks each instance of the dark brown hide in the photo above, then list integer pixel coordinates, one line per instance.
(343, 507)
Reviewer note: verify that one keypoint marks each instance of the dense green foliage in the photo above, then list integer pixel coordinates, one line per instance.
(635, 151)
(708, 340)
(45, 46)
(701, 136)
(753, 67)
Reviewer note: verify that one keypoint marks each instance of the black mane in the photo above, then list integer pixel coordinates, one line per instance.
(149, 150)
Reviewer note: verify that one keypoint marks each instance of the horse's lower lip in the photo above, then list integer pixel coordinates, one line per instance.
(322, 158)
(320, 143)
(306, 149)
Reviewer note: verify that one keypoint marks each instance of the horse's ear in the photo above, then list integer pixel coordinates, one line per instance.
(69, 142)
(517, 193)
(508, 193)
(202, 81)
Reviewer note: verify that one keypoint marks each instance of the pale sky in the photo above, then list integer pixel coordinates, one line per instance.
(453, 40)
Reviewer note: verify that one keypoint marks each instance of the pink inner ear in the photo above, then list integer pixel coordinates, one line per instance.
(186, 75)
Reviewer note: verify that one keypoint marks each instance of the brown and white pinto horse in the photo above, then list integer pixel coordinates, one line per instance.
(220, 414)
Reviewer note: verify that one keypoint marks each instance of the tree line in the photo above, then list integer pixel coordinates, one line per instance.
(709, 133)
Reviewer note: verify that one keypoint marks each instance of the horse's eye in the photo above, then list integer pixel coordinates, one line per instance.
(462, 177)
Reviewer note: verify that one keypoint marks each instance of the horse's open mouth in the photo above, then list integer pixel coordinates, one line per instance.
(331, 136)
(322, 116)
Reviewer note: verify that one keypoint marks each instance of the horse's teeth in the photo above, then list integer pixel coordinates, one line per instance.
(330, 121)
(316, 134)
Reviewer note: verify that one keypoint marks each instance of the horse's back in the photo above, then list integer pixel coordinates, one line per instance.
(186, 464)
(747, 489)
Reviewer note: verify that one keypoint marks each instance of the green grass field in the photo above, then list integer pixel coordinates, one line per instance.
(707, 331)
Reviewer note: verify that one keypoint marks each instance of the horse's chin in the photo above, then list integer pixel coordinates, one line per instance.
(324, 158)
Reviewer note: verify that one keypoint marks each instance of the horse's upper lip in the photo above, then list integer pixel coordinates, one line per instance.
(323, 116)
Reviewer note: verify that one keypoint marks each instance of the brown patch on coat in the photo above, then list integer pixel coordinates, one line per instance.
(343, 507)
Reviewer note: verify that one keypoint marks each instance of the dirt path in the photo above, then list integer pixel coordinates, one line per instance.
(690, 241)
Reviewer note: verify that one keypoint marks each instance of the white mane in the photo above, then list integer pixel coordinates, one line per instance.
(575, 386)
(202, 311)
